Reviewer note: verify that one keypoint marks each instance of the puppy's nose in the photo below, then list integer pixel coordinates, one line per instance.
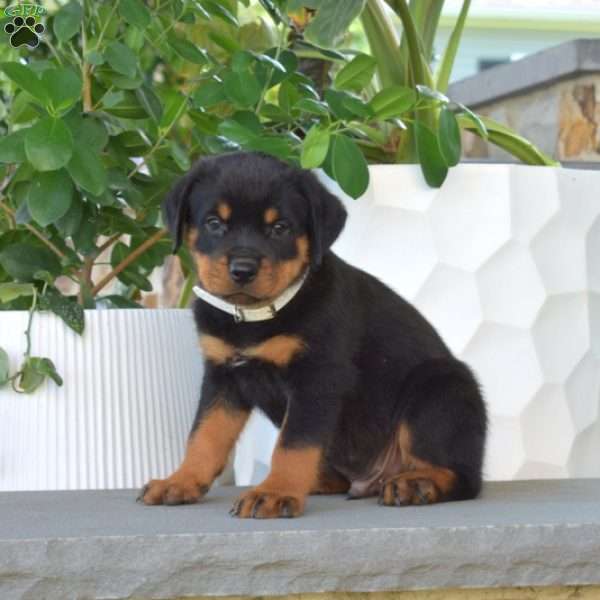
(243, 269)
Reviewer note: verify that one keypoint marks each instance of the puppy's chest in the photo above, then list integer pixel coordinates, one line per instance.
(277, 350)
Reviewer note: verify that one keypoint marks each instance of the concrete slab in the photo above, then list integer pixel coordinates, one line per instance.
(101, 544)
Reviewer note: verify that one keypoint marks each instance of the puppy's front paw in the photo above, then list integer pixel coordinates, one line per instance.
(183, 487)
(262, 504)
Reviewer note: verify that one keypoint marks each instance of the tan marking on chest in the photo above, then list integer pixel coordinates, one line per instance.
(278, 350)
(224, 210)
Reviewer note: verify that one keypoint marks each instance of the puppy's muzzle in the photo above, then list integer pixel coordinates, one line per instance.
(243, 269)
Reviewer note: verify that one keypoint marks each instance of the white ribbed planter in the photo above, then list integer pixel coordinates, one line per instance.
(131, 386)
(505, 261)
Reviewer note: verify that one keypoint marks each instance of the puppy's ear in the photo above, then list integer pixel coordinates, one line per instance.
(327, 216)
(176, 209)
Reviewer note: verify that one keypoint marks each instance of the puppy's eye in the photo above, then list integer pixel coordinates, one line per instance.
(279, 228)
(215, 226)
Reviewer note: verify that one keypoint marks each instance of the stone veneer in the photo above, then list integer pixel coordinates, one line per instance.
(552, 98)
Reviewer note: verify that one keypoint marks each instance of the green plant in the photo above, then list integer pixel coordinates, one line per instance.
(121, 96)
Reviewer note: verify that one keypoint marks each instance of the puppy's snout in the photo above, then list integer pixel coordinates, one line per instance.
(243, 269)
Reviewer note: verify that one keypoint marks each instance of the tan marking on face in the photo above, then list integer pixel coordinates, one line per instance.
(224, 210)
(271, 215)
(279, 350)
(192, 237)
(274, 277)
(216, 350)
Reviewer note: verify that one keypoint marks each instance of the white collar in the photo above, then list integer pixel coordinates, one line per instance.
(242, 313)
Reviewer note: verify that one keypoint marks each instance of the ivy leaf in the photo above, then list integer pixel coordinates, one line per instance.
(314, 148)
(4, 367)
(121, 58)
(67, 309)
(34, 373)
(349, 166)
(49, 144)
(449, 137)
(432, 162)
(135, 13)
(357, 74)
(67, 21)
(50, 196)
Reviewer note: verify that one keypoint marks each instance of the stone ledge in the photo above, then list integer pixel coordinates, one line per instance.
(101, 544)
(539, 69)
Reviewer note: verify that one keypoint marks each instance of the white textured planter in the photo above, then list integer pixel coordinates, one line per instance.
(131, 386)
(505, 261)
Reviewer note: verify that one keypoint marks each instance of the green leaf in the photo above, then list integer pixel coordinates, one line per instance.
(187, 50)
(26, 79)
(393, 101)
(314, 147)
(63, 87)
(174, 106)
(87, 131)
(69, 223)
(346, 107)
(129, 276)
(208, 94)
(274, 145)
(50, 196)
(12, 291)
(180, 155)
(357, 74)
(22, 260)
(135, 13)
(218, 10)
(332, 20)
(312, 106)
(29, 380)
(432, 94)
(121, 59)
(242, 88)
(87, 170)
(274, 12)
(475, 120)
(150, 101)
(4, 367)
(66, 308)
(67, 21)
(12, 147)
(236, 132)
(44, 366)
(432, 161)
(49, 144)
(349, 166)
(449, 55)
(449, 137)
(125, 105)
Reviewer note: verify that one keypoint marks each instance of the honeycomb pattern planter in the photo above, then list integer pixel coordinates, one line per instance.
(505, 261)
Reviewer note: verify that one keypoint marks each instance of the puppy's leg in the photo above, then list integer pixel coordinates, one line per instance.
(330, 481)
(297, 458)
(441, 435)
(216, 429)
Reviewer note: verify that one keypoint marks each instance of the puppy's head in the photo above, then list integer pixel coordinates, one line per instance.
(252, 223)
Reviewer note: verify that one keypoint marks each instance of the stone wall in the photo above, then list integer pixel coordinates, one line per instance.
(562, 120)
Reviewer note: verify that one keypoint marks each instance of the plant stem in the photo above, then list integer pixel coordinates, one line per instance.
(29, 322)
(127, 261)
(33, 230)
(186, 290)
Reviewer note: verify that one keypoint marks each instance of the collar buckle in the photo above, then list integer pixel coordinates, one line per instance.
(238, 314)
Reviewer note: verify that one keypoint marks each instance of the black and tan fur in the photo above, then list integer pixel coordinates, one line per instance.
(368, 398)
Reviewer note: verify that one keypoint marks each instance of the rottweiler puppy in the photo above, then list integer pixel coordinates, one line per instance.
(368, 398)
